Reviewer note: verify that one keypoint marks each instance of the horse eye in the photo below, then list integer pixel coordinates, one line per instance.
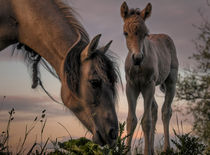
(95, 83)
(136, 33)
(126, 34)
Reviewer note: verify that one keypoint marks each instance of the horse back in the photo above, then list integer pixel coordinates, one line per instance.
(7, 24)
(4, 7)
(165, 49)
(5, 11)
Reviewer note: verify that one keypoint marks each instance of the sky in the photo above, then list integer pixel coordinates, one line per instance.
(175, 18)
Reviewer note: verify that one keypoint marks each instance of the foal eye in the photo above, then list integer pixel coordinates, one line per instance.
(136, 33)
(126, 34)
(95, 83)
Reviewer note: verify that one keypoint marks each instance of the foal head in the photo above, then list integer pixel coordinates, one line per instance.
(135, 30)
(96, 90)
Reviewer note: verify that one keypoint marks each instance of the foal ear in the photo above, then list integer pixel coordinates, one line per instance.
(91, 47)
(147, 11)
(124, 10)
(105, 48)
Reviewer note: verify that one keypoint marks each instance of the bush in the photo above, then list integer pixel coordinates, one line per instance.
(186, 144)
(83, 146)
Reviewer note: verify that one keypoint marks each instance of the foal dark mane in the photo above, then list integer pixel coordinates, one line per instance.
(133, 11)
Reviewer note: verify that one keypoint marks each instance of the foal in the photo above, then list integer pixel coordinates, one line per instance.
(151, 61)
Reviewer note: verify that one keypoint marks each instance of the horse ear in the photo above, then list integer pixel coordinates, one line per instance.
(90, 47)
(124, 10)
(147, 11)
(105, 48)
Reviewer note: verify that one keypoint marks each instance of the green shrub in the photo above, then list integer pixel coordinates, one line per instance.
(185, 144)
(83, 146)
(188, 144)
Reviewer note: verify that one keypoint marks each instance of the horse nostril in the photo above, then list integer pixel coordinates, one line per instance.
(137, 58)
(113, 133)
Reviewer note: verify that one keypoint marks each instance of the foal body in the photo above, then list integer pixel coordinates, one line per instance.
(151, 61)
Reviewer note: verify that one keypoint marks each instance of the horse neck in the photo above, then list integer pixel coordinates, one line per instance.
(147, 46)
(43, 27)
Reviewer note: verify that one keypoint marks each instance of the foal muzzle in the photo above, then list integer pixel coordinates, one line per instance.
(137, 58)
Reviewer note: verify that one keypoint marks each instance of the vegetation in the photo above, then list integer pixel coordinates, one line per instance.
(194, 85)
(83, 146)
(185, 144)
(4, 136)
(36, 147)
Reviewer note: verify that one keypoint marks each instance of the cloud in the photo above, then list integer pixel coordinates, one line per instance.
(31, 106)
(172, 17)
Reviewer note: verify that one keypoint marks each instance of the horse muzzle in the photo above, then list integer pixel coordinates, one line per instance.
(137, 58)
(102, 139)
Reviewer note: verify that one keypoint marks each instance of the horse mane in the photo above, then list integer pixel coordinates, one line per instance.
(105, 66)
(70, 15)
(104, 63)
(33, 59)
(107, 69)
(72, 66)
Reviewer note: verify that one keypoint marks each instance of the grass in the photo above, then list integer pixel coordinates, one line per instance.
(72, 146)
(39, 148)
(184, 143)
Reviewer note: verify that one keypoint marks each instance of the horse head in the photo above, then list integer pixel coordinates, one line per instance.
(135, 30)
(96, 92)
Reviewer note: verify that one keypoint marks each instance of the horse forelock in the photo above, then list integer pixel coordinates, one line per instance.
(133, 11)
(72, 66)
(106, 69)
(134, 23)
(104, 66)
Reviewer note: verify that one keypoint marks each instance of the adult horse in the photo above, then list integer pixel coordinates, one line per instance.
(151, 61)
(49, 29)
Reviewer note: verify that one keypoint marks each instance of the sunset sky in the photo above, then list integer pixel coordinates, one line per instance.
(175, 18)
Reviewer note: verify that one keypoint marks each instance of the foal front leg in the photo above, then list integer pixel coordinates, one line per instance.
(132, 94)
(148, 95)
(154, 121)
